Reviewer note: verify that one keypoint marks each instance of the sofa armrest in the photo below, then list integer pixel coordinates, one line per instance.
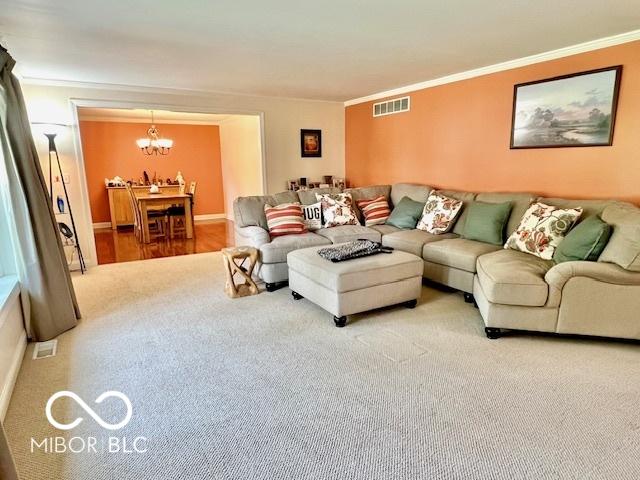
(560, 274)
(251, 236)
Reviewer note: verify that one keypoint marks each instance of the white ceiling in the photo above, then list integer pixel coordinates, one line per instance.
(329, 50)
(136, 115)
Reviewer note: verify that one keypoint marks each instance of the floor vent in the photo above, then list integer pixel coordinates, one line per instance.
(397, 105)
(45, 349)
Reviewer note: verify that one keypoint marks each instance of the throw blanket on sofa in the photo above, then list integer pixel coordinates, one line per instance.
(357, 249)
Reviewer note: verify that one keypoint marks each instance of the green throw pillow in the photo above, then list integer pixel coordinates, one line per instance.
(485, 222)
(585, 242)
(406, 214)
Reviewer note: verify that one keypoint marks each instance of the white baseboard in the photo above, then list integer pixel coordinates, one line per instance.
(13, 342)
(12, 376)
(209, 216)
(102, 225)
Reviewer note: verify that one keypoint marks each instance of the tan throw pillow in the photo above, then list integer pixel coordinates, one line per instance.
(337, 209)
(375, 211)
(439, 214)
(542, 228)
(285, 219)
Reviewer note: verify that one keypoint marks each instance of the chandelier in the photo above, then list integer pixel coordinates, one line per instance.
(153, 144)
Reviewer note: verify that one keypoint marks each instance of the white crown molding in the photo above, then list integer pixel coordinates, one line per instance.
(98, 118)
(508, 65)
(50, 82)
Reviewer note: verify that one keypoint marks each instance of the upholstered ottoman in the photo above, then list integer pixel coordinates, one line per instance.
(357, 285)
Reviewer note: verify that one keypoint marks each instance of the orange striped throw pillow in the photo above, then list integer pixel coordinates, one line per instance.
(375, 211)
(285, 219)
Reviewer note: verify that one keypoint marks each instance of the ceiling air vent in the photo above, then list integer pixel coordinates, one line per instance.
(396, 105)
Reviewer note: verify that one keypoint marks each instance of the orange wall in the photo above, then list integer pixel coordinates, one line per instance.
(457, 136)
(109, 149)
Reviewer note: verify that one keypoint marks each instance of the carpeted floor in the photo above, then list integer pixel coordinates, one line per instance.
(267, 388)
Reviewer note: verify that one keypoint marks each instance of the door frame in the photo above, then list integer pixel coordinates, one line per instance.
(91, 256)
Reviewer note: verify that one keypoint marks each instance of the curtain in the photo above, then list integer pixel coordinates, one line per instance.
(49, 302)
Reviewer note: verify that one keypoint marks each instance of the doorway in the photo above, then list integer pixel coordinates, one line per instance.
(220, 155)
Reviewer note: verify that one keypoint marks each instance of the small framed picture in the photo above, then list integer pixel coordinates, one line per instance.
(311, 143)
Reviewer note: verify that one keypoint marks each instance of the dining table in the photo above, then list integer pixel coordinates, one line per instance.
(147, 201)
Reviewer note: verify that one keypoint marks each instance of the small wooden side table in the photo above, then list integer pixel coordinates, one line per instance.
(234, 259)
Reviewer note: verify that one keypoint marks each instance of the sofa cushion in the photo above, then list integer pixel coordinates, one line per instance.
(439, 214)
(412, 241)
(417, 193)
(249, 211)
(457, 252)
(589, 207)
(349, 233)
(385, 229)
(466, 197)
(277, 250)
(308, 197)
(486, 222)
(406, 214)
(623, 248)
(585, 242)
(509, 277)
(519, 201)
(367, 193)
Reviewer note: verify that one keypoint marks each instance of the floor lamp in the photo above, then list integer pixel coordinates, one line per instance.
(63, 228)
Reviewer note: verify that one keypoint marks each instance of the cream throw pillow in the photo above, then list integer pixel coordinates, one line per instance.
(542, 228)
(439, 214)
(337, 209)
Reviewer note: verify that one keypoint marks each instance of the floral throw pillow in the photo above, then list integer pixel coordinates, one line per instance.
(337, 209)
(542, 228)
(439, 214)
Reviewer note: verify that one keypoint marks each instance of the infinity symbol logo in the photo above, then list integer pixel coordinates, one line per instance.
(89, 410)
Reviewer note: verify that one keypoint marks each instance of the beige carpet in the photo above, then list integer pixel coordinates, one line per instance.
(267, 388)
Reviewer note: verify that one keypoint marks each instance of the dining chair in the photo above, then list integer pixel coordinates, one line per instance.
(176, 213)
(157, 218)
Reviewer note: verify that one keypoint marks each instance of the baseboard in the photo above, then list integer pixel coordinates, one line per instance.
(101, 225)
(12, 376)
(209, 216)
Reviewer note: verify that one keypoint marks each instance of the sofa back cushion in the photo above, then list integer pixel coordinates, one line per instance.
(249, 211)
(519, 204)
(308, 197)
(589, 207)
(367, 193)
(623, 248)
(466, 197)
(417, 193)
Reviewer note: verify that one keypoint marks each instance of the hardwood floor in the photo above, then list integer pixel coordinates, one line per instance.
(114, 246)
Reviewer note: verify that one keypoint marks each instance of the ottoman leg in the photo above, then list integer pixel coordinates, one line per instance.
(296, 295)
(340, 321)
(468, 297)
(411, 303)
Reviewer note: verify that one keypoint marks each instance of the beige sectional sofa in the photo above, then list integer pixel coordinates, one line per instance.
(513, 290)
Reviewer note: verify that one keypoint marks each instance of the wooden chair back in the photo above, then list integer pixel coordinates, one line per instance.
(192, 188)
(137, 222)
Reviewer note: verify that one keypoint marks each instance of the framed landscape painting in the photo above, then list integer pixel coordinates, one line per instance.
(576, 110)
